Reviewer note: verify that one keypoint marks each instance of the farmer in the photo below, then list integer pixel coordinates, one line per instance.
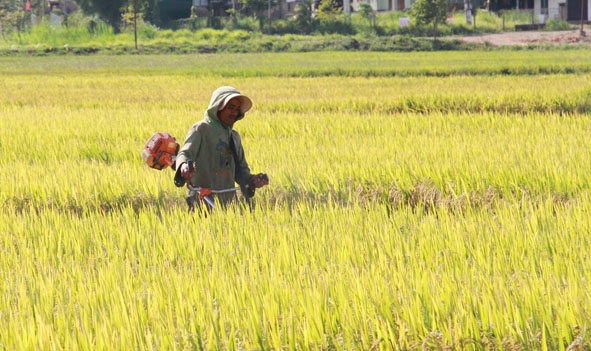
(215, 150)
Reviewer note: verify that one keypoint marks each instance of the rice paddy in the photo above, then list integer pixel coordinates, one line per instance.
(406, 211)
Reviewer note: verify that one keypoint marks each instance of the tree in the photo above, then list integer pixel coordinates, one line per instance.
(430, 11)
(329, 9)
(367, 12)
(304, 19)
(111, 11)
(331, 19)
(108, 10)
(150, 10)
(258, 7)
(12, 15)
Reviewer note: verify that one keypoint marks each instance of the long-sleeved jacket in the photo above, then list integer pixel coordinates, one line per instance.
(208, 145)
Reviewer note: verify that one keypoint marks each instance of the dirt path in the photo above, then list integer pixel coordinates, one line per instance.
(533, 37)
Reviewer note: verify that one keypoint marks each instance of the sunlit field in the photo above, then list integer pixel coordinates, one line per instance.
(429, 202)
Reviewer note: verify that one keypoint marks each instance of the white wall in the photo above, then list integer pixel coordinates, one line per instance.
(553, 8)
(381, 5)
(357, 4)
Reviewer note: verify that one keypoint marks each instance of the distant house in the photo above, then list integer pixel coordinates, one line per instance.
(383, 5)
(568, 10)
(542, 10)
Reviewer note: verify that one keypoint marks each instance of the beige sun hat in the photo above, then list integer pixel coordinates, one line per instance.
(245, 102)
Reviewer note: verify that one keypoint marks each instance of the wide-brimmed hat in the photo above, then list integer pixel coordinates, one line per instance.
(245, 102)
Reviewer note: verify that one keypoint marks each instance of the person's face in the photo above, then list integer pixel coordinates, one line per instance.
(229, 114)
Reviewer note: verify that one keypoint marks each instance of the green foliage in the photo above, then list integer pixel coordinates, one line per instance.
(371, 24)
(430, 12)
(48, 36)
(328, 9)
(151, 11)
(147, 31)
(12, 17)
(336, 24)
(366, 11)
(239, 36)
(304, 21)
(109, 11)
(258, 7)
(331, 20)
(241, 23)
(211, 35)
(517, 16)
(112, 11)
(553, 24)
(193, 23)
(363, 30)
(129, 16)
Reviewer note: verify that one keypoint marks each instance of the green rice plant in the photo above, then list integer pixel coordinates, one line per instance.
(319, 64)
(296, 286)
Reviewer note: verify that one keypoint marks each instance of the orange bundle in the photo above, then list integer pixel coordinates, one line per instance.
(160, 151)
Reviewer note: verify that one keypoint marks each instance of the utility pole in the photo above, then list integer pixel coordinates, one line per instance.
(582, 32)
(135, 22)
(65, 11)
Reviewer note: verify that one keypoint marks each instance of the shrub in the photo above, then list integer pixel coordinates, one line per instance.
(147, 31)
(281, 27)
(335, 25)
(553, 24)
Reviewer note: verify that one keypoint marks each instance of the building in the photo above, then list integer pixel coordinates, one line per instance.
(383, 5)
(569, 10)
(566, 10)
(542, 10)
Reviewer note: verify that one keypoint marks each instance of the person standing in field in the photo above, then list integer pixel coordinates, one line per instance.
(212, 156)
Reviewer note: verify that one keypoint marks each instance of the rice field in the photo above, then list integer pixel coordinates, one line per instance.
(433, 202)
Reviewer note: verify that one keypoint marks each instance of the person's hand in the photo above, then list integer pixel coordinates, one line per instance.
(186, 171)
(259, 180)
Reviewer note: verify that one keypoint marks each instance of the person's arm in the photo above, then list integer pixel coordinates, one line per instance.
(188, 152)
